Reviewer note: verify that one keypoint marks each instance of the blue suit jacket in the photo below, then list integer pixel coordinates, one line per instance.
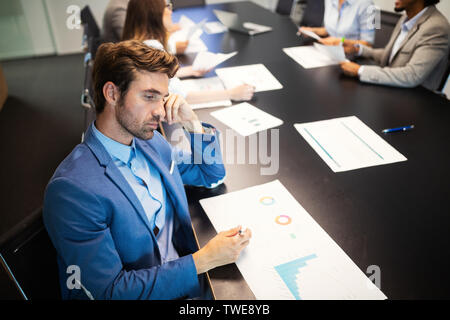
(96, 222)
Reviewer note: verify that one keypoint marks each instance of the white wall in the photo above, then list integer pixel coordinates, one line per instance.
(67, 40)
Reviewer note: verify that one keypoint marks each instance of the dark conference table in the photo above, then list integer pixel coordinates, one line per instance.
(395, 216)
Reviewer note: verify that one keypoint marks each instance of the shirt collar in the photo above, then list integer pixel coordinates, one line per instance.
(115, 149)
(409, 24)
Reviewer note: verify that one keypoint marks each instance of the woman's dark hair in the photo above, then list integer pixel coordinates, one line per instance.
(144, 21)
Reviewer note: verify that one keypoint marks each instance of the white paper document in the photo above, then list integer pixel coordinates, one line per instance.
(335, 53)
(310, 34)
(310, 57)
(348, 144)
(256, 75)
(205, 84)
(207, 60)
(246, 119)
(214, 27)
(289, 255)
(192, 32)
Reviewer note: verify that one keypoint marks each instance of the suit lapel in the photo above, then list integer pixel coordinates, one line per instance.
(113, 173)
(413, 31)
(390, 45)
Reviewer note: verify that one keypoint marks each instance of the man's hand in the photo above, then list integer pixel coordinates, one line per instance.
(350, 68)
(223, 249)
(330, 41)
(178, 110)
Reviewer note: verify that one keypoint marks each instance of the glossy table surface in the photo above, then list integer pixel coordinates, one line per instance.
(394, 216)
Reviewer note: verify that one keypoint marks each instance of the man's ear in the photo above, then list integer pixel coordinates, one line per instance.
(111, 93)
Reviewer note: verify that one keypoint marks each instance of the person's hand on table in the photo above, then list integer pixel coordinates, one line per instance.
(243, 92)
(330, 41)
(350, 68)
(223, 249)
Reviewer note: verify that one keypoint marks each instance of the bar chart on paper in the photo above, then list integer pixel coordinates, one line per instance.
(289, 272)
(289, 257)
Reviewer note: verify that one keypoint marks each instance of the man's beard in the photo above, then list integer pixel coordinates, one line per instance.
(132, 126)
(399, 9)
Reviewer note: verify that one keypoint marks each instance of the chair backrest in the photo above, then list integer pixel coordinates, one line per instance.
(87, 100)
(284, 7)
(91, 35)
(91, 28)
(445, 83)
(388, 21)
(177, 4)
(31, 260)
(314, 12)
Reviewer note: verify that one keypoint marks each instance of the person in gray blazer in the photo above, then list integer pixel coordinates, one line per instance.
(416, 54)
(114, 20)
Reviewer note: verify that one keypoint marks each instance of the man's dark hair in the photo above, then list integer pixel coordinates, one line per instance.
(118, 63)
(430, 2)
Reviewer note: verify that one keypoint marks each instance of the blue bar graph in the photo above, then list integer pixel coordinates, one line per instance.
(289, 271)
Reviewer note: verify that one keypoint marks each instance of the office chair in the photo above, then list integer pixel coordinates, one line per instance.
(284, 7)
(91, 34)
(313, 15)
(445, 77)
(388, 21)
(177, 4)
(29, 258)
(87, 102)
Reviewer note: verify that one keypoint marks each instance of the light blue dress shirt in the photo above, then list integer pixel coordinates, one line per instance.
(354, 21)
(146, 183)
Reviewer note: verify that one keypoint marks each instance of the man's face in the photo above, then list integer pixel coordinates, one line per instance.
(140, 111)
(401, 5)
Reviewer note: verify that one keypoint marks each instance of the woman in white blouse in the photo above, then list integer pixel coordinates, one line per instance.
(348, 22)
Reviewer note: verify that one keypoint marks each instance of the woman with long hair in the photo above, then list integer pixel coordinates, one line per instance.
(150, 20)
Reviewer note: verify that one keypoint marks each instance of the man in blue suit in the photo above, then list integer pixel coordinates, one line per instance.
(116, 209)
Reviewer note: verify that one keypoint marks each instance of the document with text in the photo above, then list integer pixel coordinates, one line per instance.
(348, 144)
(289, 255)
(246, 119)
(256, 75)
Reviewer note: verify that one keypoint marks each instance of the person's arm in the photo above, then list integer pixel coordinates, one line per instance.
(203, 166)
(426, 56)
(78, 225)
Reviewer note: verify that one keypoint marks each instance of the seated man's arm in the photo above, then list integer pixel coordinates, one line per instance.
(204, 165)
(426, 56)
(78, 225)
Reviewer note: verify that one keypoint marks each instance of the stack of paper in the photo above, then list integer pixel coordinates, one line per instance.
(246, 119)
(192, 32)
(289, 255)
(347, 144)
(256, 75)
(207, 60)
(205, 84)
(316, 56)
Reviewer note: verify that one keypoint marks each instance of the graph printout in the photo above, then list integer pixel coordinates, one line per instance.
(347, 144)
(289, 256)
(246, 119)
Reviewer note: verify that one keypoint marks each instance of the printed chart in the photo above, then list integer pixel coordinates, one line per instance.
(289, 256)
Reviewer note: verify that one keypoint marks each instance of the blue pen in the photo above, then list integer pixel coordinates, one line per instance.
(398, 129)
